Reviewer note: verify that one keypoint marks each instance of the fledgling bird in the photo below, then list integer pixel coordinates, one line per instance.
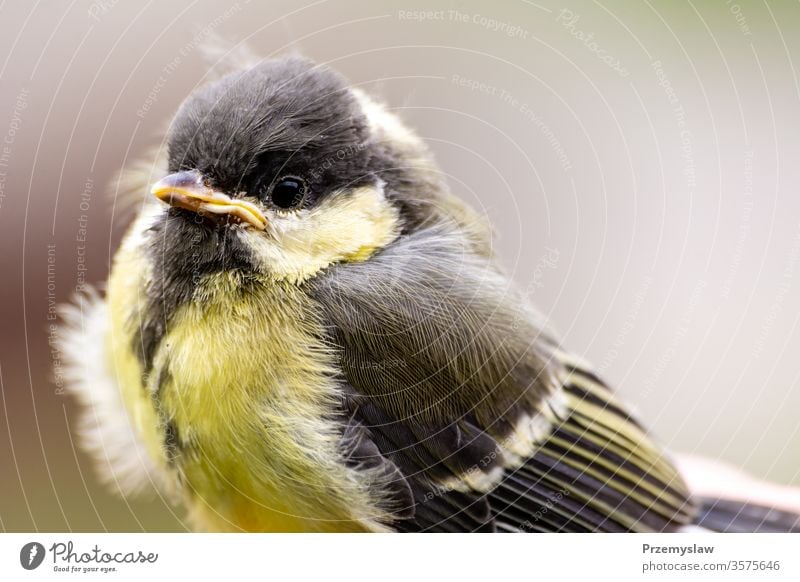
(306, 331)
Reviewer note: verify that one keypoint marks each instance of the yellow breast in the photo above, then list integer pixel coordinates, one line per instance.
(238, 405)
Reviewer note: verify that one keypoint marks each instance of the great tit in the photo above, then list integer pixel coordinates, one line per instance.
(304, 330)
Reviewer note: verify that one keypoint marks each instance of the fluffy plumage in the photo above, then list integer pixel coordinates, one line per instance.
(362, 364)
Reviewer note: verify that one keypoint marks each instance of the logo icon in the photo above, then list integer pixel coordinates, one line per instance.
(31, 555)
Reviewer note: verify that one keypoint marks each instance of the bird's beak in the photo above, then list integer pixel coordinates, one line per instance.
(187, 190)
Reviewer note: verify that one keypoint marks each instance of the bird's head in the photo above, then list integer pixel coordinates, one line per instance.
(284, 169)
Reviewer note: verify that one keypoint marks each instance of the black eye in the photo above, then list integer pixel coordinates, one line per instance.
(288, 192)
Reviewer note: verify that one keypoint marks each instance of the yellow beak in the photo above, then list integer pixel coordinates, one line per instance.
(187, 190)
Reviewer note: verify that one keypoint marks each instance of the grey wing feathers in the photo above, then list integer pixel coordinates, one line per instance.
(486, 423)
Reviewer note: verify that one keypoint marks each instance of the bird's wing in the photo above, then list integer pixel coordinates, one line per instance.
(473, 408)
(599, 468)
(596, 470)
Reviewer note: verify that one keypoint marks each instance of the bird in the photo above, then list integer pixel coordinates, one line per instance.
(304, 329)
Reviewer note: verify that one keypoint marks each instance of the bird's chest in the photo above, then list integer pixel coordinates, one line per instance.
(244, 394)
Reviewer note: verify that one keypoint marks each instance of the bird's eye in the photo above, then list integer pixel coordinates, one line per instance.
(288, 192)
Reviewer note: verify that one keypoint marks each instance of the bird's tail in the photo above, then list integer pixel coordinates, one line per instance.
(731, 501)
(735, 516)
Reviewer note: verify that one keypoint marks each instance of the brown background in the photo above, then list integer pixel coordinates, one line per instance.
(665, 253)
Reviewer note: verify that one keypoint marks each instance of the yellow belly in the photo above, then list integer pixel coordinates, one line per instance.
(248, 389)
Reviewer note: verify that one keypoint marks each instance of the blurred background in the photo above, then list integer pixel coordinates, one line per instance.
(640, 163)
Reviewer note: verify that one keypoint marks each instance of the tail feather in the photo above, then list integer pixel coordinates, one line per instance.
(734, 516)
(729, 500)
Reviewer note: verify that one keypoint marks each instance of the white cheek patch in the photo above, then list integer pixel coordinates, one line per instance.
(347, 226)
